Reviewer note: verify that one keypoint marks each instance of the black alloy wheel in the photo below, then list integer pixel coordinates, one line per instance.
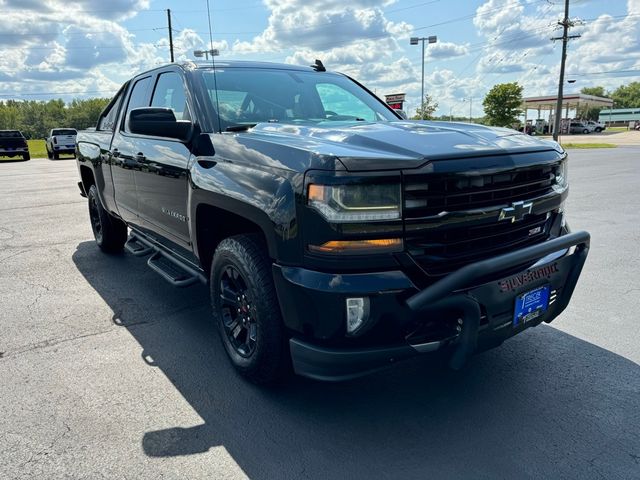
(96, 221)
(238, 315)
(246, 309)
(110, 232)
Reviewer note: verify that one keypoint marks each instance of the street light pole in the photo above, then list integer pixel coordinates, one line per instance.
(205, 53)
(470, 106)
(414, 41)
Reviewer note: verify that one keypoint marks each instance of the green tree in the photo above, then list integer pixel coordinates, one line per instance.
(502, 105)
(84, 113)
(425, 111)
(627, 96)
(592, 113)
(595, 91)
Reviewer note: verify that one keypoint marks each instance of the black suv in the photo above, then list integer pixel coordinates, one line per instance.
(336, 237)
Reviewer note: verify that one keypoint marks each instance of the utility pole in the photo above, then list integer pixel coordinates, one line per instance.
(170, 33)
(566, 24)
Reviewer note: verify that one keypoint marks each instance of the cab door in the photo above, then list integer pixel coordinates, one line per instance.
(124, 154)
(162, 174)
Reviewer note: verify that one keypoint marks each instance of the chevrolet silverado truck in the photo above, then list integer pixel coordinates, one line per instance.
(13, 144)
(59, 141)
(336, 238)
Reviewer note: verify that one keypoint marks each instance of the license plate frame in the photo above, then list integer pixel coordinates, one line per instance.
(530, 305)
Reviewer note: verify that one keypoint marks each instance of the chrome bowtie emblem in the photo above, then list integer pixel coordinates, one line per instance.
(516, 211)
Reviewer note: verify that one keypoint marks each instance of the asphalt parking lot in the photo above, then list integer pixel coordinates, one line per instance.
(106, 371)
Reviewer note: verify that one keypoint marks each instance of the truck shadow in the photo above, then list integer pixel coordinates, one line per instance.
(545, 404)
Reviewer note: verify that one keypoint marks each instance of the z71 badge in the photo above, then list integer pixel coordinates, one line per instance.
(527, 277)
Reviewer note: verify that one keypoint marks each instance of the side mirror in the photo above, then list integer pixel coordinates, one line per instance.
(402, 114)
(158, 122)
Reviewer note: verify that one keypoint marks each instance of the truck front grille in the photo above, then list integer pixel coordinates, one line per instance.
(444, 244)
(427, 195)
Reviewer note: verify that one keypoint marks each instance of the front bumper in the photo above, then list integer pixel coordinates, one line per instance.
(477, 299)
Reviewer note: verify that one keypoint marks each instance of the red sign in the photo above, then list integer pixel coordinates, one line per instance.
(396, 106)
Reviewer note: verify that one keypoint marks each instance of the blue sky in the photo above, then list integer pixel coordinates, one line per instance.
(86, 48)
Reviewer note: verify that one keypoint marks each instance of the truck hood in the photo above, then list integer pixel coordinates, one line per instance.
(398, 145)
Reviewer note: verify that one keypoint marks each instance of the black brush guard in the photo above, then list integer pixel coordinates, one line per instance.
(468, 291)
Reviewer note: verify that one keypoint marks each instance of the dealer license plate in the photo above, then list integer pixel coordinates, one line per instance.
(531, 305)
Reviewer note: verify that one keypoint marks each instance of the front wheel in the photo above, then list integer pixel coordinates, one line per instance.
(110, 232)
(26, 156)
(246, 310)
(585, 131)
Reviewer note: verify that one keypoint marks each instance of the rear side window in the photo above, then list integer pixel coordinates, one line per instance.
(11, 134)
(139, 98)
(65, 131)
(170, 93)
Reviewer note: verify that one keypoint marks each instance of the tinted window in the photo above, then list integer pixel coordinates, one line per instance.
(10, 134)
(339, 102)
(110, 117)
(138, 98)
(252, 95)
(170, 93)
(64, 131)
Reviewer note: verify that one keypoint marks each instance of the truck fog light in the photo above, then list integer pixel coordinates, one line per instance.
(563, 215)
(357, 313)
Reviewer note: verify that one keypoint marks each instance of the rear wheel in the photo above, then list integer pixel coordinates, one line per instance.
(586, 130)
(246, 310)
(110, 232)
(26, 156)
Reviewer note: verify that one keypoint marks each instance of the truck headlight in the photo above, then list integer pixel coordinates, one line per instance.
(562, 172)
(355, 203)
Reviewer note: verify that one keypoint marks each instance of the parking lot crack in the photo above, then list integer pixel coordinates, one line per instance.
(51, 343)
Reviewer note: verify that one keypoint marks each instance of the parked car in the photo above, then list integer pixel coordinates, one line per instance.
(596, 126)
(61, 140)
(579, 127)
(335, 236)
(13, 144)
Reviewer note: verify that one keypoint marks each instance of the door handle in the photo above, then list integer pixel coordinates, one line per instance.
(207, 163)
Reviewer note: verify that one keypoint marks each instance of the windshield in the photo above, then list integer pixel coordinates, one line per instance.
(247, 96)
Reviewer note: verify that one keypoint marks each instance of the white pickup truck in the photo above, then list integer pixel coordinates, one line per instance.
(61, 140)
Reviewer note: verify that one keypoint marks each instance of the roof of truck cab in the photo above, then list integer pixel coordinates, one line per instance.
(251, 64)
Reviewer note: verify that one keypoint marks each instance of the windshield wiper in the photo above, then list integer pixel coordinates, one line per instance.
(240, 128)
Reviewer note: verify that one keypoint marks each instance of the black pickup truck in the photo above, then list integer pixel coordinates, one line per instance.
(336, 238)
(13, 144)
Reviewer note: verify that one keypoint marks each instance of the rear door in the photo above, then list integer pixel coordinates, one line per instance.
(125, 153)
(162, 176)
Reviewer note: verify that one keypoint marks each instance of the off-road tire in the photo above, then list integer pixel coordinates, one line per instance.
(110, 232)
(269, 361)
